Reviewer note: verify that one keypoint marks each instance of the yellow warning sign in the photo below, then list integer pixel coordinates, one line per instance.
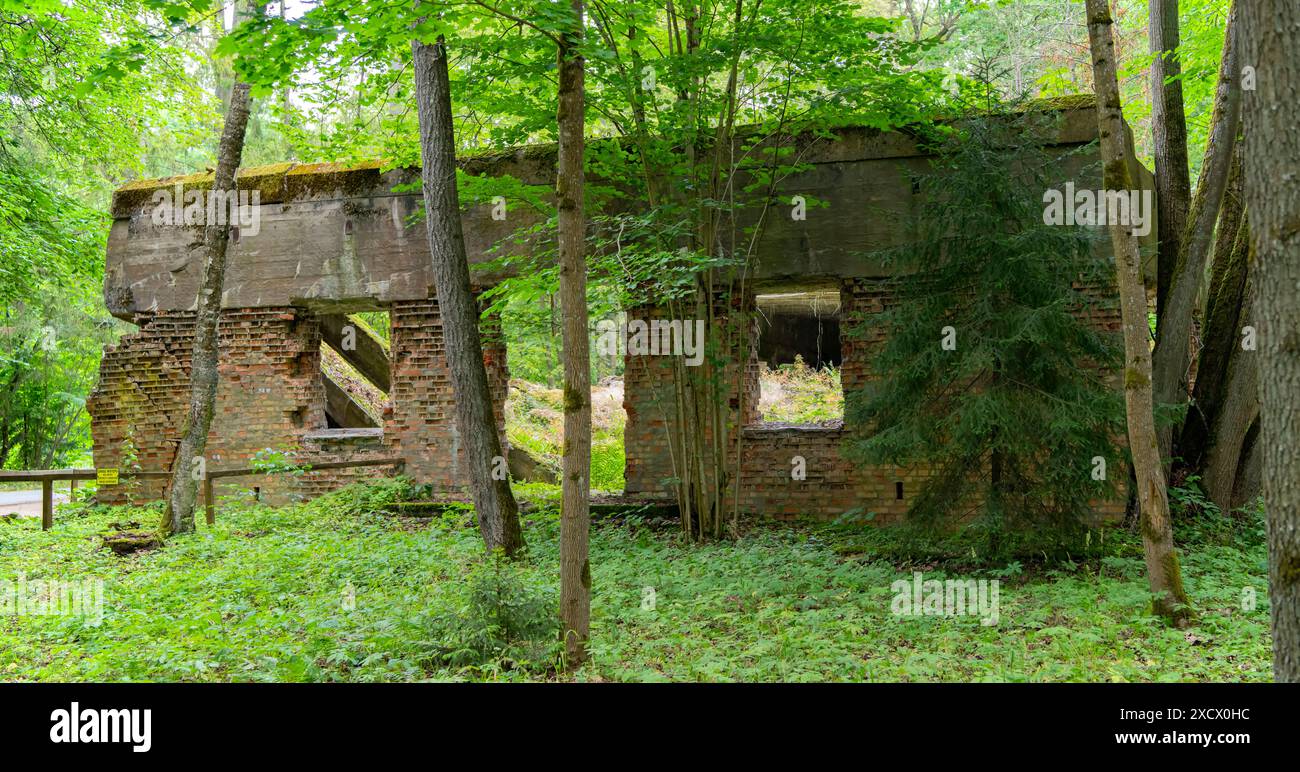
(106, 476)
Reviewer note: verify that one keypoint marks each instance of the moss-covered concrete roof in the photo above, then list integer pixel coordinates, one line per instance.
(289, 181)
(274, 182)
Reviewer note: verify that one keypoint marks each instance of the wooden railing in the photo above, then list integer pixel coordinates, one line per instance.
(47, 477)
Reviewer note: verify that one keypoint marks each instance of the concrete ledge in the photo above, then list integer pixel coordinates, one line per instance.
(769, 428)
(357, 436)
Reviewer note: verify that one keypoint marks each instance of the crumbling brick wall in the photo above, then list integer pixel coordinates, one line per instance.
(137, 406)
(420, 423)
(270, 395)
(651, 455)
(833, 485)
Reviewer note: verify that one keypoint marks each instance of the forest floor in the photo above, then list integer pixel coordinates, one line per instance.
(337, 589)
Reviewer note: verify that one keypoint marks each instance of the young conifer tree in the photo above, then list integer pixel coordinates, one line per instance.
(989, 372)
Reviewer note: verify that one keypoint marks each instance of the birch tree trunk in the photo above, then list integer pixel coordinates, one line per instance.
(1271, 46)
(575, 514)
(179, 515)
(1163, 572)
(498, 513)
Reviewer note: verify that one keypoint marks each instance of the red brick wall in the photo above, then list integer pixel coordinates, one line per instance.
(832, 485)
(420, 423)
(648, 395)
(141, 397)
(270, 396)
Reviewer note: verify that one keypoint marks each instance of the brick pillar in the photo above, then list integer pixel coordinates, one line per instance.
(421, 423)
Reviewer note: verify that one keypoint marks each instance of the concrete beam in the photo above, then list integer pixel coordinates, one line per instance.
(369, 356)
(342, 409)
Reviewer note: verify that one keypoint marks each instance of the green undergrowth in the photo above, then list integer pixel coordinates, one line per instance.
(535, 423)
(337, 589)
(798, 394)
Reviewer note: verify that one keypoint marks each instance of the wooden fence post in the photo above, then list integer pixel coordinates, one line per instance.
(209, 502)
(47, 504)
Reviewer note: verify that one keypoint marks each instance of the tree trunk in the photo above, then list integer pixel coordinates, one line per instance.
(1271, 39)
(575, 518)
(1248, 486)
(1226, 459)
(179, 517)
(1169, 142)
(1173, 333)
(498, 514)
(1238, 411)
(1163, 572)
(1222, 332)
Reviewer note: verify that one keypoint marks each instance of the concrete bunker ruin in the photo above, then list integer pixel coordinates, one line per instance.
(335, 240)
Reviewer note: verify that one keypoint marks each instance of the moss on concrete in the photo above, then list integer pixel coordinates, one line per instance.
(274, 183)
(290, 181)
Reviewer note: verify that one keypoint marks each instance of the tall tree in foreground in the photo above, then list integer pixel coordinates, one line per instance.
(575, 514)
(498, 514)
(1270, 32)
(1163, 572)
(179, 515)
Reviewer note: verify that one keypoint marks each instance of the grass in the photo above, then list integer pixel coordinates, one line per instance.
(534, 418)
(798, 394)
(336, 590)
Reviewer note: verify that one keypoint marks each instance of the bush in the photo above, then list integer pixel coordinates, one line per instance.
(502, 617)
(607, 460)
(798, 394)
(1198, 520)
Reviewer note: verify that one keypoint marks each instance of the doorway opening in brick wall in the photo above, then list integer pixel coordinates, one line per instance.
(355, 368)
(799, 355)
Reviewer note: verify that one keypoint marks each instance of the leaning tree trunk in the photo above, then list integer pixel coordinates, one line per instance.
(1228, 406)
(1221, 335)
(1271, 40)
(1163, 572)
(1234, 423)
(575, 514)
(498, 514)
(1174, 330)
(1169, 142)
(179, 517)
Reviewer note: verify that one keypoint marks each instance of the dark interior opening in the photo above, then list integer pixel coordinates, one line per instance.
(800, 324)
